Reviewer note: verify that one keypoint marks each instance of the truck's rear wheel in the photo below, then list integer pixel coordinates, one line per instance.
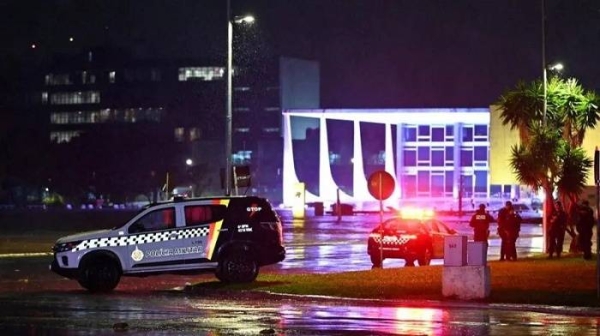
(99, 274)
(237, 267)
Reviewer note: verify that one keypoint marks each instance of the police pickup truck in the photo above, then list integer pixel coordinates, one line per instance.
(231, 236)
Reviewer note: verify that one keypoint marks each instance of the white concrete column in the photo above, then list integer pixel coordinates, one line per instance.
(289, 172)
(359, 181)
(389, 164)
(399, 158)
(327, 186)
(457, 164)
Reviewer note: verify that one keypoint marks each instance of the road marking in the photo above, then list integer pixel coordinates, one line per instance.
(25, 255)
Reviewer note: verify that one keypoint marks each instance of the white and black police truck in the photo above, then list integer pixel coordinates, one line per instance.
(231, 236)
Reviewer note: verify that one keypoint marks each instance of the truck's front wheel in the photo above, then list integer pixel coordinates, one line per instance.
(99, 274)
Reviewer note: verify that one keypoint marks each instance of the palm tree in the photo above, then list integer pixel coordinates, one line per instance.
(536, 164)
(576, 110)
(522, 107)
(550, 153)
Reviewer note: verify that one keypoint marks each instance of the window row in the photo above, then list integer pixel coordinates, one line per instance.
(426, 156)
(442, 133)
(191, 134)
(74, 98)
(132, 115)
(201, 73)
(441, 183)
(63, 136)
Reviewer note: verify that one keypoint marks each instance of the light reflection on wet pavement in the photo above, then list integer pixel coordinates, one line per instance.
(56, 306)
(176, 313)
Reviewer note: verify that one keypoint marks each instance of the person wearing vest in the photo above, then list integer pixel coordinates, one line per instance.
(480, 222)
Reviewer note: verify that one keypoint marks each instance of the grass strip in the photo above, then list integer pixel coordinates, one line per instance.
(569, 281)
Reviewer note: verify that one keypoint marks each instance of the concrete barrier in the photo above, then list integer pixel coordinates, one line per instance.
(466, 274)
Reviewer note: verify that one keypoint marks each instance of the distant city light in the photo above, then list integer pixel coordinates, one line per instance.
(71, 39)
(33, 46)
(189, 162)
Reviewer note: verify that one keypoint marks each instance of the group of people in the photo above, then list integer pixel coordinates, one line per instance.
(583, 217)
(509, 227)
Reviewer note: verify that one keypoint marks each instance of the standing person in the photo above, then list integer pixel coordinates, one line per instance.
(584, 226)
(480, 222)
(513, 228)
(503, 216)
(557, 229)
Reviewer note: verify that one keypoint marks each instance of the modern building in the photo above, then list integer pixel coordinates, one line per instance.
(106, 98)
(432, 153)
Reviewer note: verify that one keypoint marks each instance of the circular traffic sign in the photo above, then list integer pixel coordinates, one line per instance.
(381, 185)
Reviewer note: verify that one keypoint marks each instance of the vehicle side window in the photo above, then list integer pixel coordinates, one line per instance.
(203, 214)
(156, 220)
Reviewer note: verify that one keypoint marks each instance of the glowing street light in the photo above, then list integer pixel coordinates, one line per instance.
(228, 115)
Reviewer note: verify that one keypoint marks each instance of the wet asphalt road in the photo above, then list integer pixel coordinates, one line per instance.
(34, 301)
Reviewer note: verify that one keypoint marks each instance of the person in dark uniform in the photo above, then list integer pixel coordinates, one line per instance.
(480, 222)
(503, 216)
(556, 231)
(584, 226)
(513, 228)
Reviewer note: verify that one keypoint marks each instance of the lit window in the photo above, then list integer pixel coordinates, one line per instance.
(201, 73)
(242, 130)
(194, 134)
(437, 157)
(44, 97)
(242, 157)
(271, 130)
(75, 98)
(57, 79)
(64, 137)
(467, 133)
(241, 88)
(410, 134)
(437, 134)
(112, 77)
(179, 134)
(272, 109)
(480, 153)
(481, 133)
(410, 157)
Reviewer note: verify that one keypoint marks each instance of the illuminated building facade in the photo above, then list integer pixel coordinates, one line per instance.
(432, 153)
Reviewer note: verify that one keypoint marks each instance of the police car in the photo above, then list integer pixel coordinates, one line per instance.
(232, 236)
(414, 235)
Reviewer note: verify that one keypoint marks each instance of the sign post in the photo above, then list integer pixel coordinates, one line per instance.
(381, 185)
(597, 181)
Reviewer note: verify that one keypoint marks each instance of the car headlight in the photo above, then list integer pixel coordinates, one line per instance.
(62, 247)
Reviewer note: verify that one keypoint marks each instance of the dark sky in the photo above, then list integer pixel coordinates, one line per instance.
(373, 53)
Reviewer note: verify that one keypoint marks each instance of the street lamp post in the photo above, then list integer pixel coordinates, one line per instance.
(228, 104)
